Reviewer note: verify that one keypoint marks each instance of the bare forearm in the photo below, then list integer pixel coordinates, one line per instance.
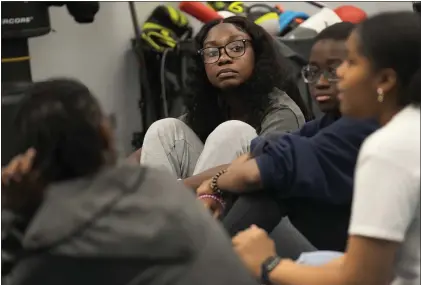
(367, 261)
(241, 178)
(196, 180)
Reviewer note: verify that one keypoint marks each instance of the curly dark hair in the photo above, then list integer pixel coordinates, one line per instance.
(61, 119)
(206, 109)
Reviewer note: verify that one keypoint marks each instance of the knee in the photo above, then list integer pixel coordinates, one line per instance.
(232, 130)
(165, 127)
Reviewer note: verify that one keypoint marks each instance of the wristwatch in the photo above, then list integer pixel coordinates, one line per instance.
(267, 266)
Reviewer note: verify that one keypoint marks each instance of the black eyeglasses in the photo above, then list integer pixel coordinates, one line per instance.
(311, 73)
(233, 49)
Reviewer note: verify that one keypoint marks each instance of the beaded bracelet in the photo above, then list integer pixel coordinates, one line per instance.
(214, 185)
(213, 197)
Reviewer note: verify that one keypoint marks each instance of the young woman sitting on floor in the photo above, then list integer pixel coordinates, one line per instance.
(240, 87)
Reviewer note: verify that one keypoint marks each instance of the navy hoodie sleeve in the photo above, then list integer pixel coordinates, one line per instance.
(319, 167)
(308, 130)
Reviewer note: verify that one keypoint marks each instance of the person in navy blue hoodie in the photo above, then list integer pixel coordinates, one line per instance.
(307, 175)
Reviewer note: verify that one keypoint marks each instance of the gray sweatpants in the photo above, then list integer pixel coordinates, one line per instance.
(170, 144)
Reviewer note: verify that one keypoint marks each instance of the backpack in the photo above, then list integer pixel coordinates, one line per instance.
(156, 47)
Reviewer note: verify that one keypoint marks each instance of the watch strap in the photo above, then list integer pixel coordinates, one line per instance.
(267, 266)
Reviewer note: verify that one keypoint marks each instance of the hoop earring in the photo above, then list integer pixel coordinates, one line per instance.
(380, 95)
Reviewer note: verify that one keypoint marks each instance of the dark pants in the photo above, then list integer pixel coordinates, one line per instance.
(253, 209)
(324, 225)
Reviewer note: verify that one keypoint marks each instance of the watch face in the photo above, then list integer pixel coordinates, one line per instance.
(273, 262)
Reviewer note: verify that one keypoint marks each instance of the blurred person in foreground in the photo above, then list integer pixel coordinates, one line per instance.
(84, 220)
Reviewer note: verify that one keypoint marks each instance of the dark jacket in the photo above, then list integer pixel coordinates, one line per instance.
(314, 162)
(311, 172)
(126, 226)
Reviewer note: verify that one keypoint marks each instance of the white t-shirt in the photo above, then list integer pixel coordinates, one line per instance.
(386, 201)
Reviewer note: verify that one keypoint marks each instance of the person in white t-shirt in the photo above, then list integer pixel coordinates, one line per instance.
(380, 79)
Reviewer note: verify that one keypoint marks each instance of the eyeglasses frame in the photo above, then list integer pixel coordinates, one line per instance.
(244, 41)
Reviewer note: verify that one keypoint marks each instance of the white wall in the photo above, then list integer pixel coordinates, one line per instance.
(99, 55)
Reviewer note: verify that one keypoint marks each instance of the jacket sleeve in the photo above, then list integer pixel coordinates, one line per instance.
(319, 167)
